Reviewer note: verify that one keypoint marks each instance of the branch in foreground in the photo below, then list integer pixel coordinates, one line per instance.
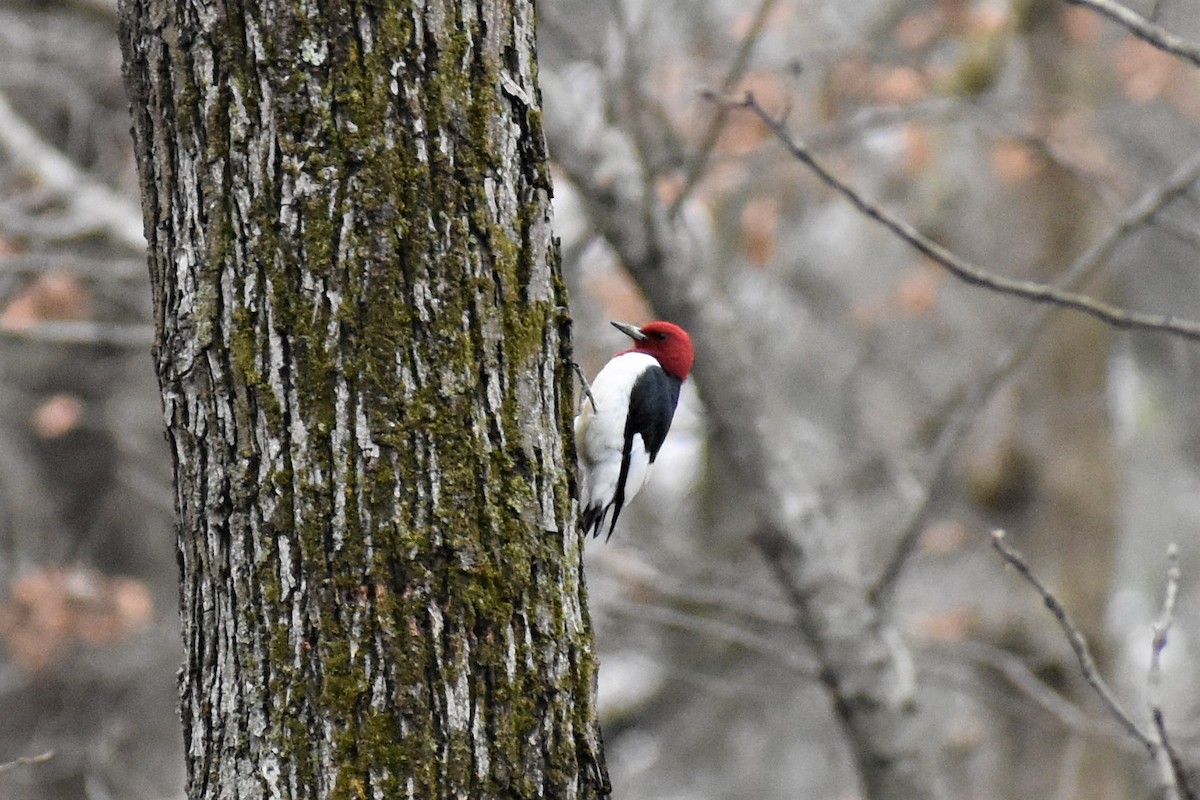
(26, 761)
(1144, 29)
(1171, 764)
(960, 268)
(1077, 641)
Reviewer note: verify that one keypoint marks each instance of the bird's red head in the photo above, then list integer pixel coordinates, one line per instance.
(666, 341)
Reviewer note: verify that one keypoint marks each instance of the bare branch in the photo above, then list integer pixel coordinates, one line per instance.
(1163, 625)
(117, 269)
(863, 121)
(1144, 29)
(643, 579)
(1136, 216)
(1077, 641)
(1175, 767)
(737, 69)
(95, 334)
(1022, 678)
(1171, 765)
(788, 655)
(24, 761)
(960, 268)
(90, 204)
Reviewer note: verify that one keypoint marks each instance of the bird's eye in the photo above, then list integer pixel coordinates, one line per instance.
(662, 337)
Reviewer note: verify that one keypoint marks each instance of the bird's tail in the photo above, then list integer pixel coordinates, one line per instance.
(592, 520)
(594, 517)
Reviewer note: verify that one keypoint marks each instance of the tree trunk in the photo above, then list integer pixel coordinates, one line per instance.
(1070, 530)
(362, 346)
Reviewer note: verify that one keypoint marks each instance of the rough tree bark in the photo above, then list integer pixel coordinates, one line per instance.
(362, 346)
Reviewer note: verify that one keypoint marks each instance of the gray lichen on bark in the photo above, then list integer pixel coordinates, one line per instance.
(362, 350)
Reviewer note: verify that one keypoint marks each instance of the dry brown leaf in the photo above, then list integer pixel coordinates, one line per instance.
(965, 733)
(1013, 162)
(849, 82)
(955, 14)
(918, 148)
(917, 30)
(668, 187)
(987, 19)
(917, 291)
(618, 296)
(53, 296)
(944, 536)
(1081, 25)
(866, 316)
(56, 416)
(1073, 134)
(949, 625)
(743, 133)
(760, 228)
(899, 86)
(49, 608)
(1145, 70)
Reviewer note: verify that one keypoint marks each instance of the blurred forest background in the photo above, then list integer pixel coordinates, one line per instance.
(908, 413)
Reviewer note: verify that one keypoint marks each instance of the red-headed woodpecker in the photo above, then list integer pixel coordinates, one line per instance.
(626, 418)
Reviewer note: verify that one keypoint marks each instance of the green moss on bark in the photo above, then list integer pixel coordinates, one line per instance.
(381, 428)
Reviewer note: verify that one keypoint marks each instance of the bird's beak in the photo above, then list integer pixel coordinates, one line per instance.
(632, 331)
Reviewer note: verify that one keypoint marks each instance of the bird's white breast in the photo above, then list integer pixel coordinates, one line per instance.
(600, 432)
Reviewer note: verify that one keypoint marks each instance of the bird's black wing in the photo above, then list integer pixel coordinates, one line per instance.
(651, 409)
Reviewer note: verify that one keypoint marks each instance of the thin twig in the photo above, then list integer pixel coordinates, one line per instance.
(737, 69)
(1177, 769)
(24, 761)
(649, 583)
(960, 268)
(1174, 771)
(1144, 29)
(1162, 625)
(117, 269)
(1021, 677)
(93, 334)
(872, 118)
(739, 634)
(1137, 215)
(1077, 641)
(587, 389)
